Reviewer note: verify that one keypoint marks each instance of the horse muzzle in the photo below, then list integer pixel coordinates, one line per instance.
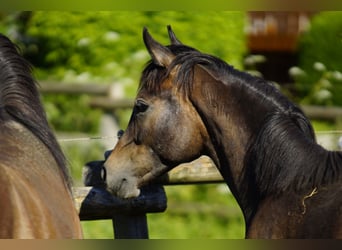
(123, 186)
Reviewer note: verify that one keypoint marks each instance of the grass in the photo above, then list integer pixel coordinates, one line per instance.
(97, 229)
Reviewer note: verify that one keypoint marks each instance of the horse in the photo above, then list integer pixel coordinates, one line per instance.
(190, 103)
(35, 192)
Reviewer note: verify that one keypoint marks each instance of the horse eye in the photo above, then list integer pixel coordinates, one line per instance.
(141, 106)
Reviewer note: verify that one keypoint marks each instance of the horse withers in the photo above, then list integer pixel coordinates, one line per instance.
(191, 104)
(35, 191)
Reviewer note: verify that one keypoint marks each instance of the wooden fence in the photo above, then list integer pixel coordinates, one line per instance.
(102, 99)
(129, 216)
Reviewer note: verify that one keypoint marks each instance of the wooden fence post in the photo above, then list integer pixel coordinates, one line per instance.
(130, 226)
(128, 215)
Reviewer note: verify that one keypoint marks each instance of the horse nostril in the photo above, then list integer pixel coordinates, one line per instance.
(122, 183)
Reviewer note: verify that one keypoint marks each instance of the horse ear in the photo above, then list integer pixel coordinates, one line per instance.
(160, 54)
(172, 36)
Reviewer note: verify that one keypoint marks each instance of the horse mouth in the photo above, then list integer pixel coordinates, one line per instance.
(125, 188)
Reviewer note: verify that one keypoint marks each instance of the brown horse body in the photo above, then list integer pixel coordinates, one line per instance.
(191, 104)
(36, 199)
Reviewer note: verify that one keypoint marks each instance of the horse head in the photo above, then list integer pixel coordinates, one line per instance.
(164, 129)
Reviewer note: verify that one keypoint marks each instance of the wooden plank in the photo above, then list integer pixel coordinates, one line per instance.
(202, 170)
(322, 113)
(110, 103)
(96, 203)
(74, 88)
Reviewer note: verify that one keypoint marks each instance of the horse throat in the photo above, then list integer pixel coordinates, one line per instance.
(230, 121)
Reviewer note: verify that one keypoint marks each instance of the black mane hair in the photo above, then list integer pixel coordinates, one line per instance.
(283, 155)
(20, 100)
(186, 58)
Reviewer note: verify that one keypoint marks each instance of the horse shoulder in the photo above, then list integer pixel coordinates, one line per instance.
(324, 211)
(315, 213)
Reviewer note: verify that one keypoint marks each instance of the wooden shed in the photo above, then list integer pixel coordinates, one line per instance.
(274, 35)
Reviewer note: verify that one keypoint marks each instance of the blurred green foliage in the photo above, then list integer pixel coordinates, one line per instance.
(106, 47)
(318, 77)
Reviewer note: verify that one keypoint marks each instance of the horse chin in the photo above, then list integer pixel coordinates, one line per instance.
(128, 194)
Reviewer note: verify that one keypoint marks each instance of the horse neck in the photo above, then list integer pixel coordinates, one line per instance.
(231, 115)
(234, 114)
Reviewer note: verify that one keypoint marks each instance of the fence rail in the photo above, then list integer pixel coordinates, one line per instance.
(322, 113)
(129, 216)
(74, 88)
(102, 99)
(199, 171)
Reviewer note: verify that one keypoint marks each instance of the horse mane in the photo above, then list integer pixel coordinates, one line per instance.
(20, 100)
(283, 154)
(186, 58)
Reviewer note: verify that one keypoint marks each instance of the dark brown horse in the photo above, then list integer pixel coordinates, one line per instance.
(190, 103)
(35, 192)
